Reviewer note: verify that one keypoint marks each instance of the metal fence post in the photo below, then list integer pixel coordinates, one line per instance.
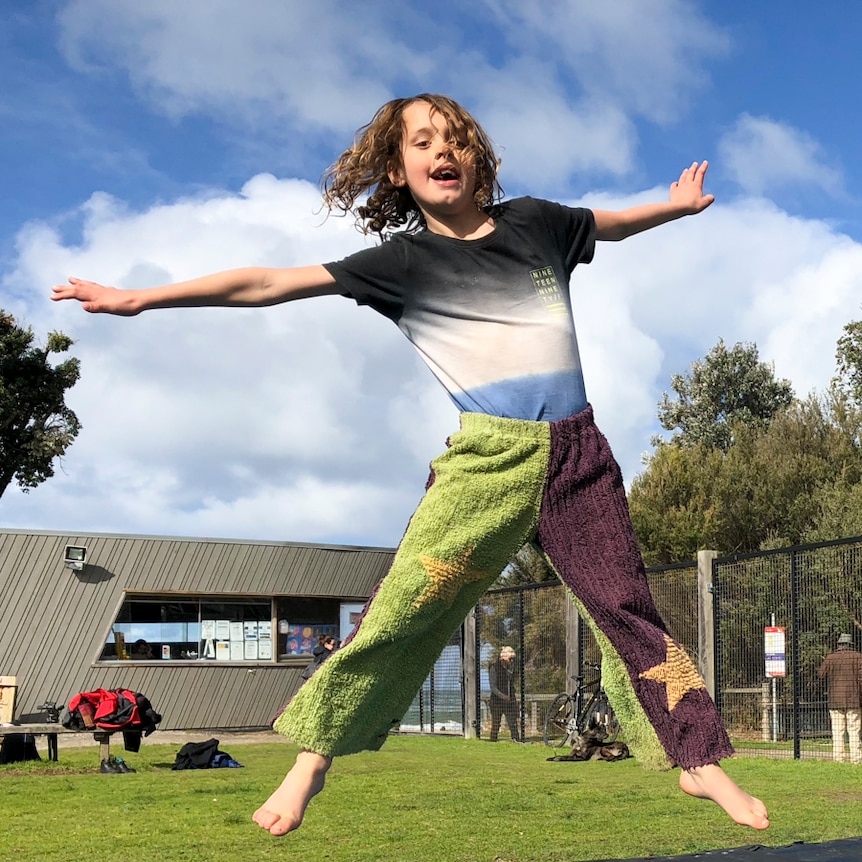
(706, 620)
(795, 628)
(573, 641)
(470, 665)
(521, 663)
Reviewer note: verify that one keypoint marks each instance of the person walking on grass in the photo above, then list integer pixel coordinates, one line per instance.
(480, 286)
(842, 670)
(503, 699)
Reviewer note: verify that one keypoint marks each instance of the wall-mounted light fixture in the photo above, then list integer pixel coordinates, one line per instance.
(75, 557)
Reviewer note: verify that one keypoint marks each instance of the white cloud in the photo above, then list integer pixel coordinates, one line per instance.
(556, 83)
(314, 420)
(764, 156)
(306, 61)
(645, 58)
(193, 414)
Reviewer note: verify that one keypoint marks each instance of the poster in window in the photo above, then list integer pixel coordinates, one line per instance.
(264, 640)
(302, 637)
(222, 630)
(222, 650)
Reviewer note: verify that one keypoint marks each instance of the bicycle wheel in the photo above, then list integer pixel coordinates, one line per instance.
(599, 717)
(560, 721)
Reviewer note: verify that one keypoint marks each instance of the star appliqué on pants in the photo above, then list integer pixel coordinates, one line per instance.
(676, 672)
(447, 578)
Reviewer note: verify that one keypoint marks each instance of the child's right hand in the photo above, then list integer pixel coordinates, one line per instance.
(96, 298)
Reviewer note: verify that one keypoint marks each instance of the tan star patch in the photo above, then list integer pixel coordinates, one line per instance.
(447, 578)
(676, 672)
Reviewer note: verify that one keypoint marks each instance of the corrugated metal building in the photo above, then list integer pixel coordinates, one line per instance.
(214, 632)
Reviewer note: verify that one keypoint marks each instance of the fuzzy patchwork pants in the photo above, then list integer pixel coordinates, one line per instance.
(501, 483)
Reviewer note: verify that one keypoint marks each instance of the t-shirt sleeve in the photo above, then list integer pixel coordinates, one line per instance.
(574, 229)
(374, 277)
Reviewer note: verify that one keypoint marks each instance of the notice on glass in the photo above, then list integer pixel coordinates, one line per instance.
(264, 643)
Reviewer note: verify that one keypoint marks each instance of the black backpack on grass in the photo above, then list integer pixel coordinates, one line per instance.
(18, 747)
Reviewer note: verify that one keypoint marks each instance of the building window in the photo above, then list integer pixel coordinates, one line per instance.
(301, 621)
(191, 629)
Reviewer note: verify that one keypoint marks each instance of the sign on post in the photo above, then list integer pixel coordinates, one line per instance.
(774, 651)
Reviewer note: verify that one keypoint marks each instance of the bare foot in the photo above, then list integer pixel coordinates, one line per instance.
(712, 782)
(284, 810)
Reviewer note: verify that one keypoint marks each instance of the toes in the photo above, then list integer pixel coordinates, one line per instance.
(265, 819)
(274, 823)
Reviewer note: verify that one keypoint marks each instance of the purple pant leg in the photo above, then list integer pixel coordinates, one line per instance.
(586, 532)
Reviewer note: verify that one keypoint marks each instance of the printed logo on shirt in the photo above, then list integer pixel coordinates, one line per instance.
(548, 288)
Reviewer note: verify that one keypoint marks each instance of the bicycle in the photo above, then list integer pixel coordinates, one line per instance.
(587, 709)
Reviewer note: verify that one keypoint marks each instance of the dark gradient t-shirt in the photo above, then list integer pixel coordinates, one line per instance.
(491, 317)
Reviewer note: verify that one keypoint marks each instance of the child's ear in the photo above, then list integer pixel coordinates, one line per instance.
(396, 176)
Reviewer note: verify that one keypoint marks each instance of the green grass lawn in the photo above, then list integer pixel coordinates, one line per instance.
(420, 799)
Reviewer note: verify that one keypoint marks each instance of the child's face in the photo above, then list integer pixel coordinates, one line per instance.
(440, 178)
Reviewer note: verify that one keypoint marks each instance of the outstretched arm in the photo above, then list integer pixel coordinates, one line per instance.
(250, 286)
(686, 198)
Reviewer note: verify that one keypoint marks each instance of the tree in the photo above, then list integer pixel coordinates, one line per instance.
(528, 566)
(725, 387)
(848, 357)
(36, 426)
(793, 481)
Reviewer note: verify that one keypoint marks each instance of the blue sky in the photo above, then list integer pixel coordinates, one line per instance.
(151, 142)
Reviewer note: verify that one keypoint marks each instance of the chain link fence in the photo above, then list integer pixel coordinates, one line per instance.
(776, 615)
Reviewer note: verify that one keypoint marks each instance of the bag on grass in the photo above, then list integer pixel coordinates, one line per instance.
(203, 755)
(18, 747)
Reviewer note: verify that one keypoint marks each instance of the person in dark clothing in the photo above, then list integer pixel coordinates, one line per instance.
(842, 669)
(503, 700)
(324, 649)
(326, 646)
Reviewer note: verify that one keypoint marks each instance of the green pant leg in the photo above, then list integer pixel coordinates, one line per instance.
(482, 506)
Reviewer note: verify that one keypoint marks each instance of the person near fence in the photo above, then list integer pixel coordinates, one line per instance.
(480, 286)
(325, 647)
(842, 670)
(503, 699)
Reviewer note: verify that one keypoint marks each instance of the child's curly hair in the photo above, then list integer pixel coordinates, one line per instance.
(377, 150)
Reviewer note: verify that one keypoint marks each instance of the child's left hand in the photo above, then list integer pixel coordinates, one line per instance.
(687, 192)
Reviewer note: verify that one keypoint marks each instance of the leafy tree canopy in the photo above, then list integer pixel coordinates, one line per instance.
(726, 387)
(36, 426)
(848, 358)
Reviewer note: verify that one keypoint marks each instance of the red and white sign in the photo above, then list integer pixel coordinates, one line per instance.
(773, 638)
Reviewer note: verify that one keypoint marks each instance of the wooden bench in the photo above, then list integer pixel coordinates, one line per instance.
(52, 730)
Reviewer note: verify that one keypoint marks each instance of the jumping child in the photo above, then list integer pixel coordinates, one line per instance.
(481, 289)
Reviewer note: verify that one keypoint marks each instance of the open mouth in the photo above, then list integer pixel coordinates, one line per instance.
(446, 173)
